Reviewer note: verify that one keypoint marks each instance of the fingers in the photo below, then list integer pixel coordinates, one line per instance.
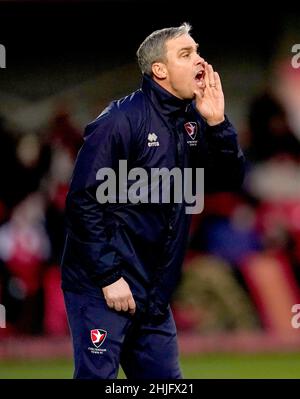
(211, 76)
(109, 303)
(119, 297)
(218, 81)
(118, 306)
(131, 305)
(125, 305)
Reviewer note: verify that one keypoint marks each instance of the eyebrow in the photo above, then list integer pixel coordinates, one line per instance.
(189, 48)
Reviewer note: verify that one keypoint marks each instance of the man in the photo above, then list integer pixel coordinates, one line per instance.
(122, 260)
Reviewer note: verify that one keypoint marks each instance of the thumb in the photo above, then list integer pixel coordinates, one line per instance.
(199, 94)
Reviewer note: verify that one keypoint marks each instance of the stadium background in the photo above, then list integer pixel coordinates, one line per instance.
(65, 62)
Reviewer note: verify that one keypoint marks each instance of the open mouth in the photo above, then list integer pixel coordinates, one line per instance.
(199, 76)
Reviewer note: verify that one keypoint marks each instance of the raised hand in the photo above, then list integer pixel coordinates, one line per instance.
(210, 101)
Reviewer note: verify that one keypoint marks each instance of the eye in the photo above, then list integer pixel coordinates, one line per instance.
(185, 55)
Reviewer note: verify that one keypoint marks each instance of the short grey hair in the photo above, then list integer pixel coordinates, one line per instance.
(153, 47)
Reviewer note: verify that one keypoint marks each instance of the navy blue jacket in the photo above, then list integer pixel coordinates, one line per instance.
(144, 242)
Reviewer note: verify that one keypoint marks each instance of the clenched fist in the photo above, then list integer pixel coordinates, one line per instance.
(118, 296)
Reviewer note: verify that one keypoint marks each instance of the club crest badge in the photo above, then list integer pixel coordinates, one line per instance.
(98, 337)
(191, 129)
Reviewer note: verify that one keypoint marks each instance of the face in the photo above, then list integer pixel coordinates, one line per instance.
(183, 71)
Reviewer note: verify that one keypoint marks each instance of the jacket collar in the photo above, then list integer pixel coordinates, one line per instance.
(166, 103)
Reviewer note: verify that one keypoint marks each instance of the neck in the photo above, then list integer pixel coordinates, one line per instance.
(165, 85)
(162, 98)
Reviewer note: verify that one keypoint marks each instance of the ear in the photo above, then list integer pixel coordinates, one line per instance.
(159, 70)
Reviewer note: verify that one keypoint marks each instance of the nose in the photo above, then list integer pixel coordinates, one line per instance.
(199, 60)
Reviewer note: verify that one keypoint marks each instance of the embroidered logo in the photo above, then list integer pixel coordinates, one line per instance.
(191, 129)
(98, 337)
(152, 140)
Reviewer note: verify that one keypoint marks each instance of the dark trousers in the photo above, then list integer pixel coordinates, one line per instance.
(104, 338)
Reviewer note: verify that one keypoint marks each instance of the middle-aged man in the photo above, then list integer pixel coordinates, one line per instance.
(122, 259)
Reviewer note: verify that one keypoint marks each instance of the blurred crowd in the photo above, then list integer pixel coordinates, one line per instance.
(242, 269)
(243, 264)
(35, 173)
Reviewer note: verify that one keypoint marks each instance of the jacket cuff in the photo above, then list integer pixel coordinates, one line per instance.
(108, 278)
(220, 127)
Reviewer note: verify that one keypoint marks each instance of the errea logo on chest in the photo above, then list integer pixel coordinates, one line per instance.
(152, 140)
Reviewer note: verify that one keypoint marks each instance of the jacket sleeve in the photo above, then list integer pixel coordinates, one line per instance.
(224, 166)
(106, 141)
